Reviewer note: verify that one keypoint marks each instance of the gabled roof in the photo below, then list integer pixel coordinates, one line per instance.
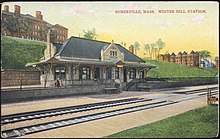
(179, 53)
(184, 53)
(58, 25)
(192, 52)
(173, 54)
(91, 49)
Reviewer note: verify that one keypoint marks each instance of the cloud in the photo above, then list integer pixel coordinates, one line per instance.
(183, 23)
(78, 9)
(151, 6)
(168, 23)
(163, 23)
(132, 6)
(198, 19)
(162, 28)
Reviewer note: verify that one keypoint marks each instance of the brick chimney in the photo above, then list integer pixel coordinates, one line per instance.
(6, 8)
(17, 10)
(38, 15)
(131, 49)
(49, 36)
(49, 42)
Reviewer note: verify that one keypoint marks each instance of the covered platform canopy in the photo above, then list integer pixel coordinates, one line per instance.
(55, 60)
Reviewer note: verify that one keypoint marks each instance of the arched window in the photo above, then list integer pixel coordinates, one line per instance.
(84, 73)
(133, 73)
(60, 72)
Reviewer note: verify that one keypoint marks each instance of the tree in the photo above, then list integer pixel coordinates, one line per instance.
(53, 34)
(90, 34)
(136, 46)
(155, 52)
(9, 24)
(123, 44)
(160, 45)
(152, 49)
(204, 54)
(147, 48)
(13, 24)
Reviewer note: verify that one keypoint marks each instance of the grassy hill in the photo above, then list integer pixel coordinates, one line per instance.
(166, 70)
(16, 52)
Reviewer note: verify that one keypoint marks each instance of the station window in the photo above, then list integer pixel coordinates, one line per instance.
(113, 53)
(84, 73)
(142, 74)
(109, 73)
(60, 72)
(116, 73)
(132, 73)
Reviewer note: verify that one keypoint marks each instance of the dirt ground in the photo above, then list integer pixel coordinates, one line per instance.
(106, 126)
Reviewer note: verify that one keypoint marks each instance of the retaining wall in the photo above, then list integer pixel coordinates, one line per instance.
(170, 84)
(25, 95)
(16, 77)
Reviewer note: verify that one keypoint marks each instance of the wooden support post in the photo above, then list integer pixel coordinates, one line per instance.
(21, 84)
(45, 83)
(208, 96)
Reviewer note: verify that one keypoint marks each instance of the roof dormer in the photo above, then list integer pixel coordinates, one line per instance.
(111, 53)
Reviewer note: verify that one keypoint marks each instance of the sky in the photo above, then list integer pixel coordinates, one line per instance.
(195, 28)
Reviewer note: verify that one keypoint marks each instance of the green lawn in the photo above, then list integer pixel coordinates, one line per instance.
(166, 69)
(17, 52)
(200, 123)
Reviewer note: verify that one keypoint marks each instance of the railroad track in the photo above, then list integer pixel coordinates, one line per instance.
(8, 119)
(21, 131)
(67, 110)
(195, 91)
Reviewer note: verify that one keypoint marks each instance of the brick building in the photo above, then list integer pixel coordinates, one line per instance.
(165, 57)
(191, 59)
(39, 26)
(173, 58)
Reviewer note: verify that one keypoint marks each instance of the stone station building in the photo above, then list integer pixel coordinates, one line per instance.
(85, 60)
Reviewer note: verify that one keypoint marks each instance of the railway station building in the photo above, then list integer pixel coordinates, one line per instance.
(85, 59)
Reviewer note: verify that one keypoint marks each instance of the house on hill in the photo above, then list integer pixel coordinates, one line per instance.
(85, 59)
(191, 59)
